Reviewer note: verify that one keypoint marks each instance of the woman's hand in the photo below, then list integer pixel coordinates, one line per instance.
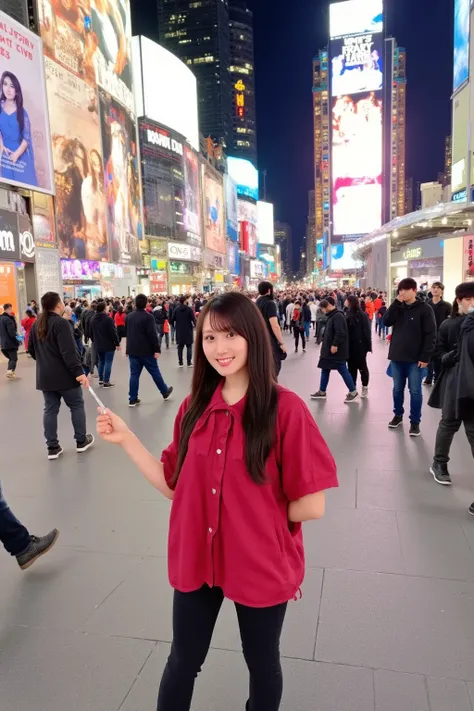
(112, 428)
(14, 156)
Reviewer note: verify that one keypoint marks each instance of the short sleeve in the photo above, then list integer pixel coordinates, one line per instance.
(271, 310)
(307, 465)
(169, 456)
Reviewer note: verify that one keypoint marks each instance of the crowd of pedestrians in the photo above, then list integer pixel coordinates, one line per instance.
(239, 429)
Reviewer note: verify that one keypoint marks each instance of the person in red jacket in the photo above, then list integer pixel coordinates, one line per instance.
(370, 308)
(247, 465)
(27, 324)
(119, 320)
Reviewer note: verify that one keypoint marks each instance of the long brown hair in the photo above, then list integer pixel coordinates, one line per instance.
(48, 303)
(235, 312)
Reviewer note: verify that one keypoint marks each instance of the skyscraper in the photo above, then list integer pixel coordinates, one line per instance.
(396, 116)
(311, 234)
(321, 144)
(242, 74)
(199, 34)
(283, 239)
(448, 158)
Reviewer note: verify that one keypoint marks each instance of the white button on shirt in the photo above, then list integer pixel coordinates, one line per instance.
(210, 530)
(214, 491)
(219, 451)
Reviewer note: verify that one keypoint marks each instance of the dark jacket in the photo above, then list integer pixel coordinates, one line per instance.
(8, 332)
(414, 331)
(360, 335)
(104, 333)
(335, 335)
(142, 338)
(86, 319)
(184, 321)
(306, 313)
(464, 408)
(160, 315)
(57, 360)
(443, 395)
(442, 310)
(268, 308)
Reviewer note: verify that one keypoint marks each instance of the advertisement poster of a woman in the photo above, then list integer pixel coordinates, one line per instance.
(25, 145)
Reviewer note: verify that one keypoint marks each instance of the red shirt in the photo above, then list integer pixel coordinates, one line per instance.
(120, 318)
(229, 532)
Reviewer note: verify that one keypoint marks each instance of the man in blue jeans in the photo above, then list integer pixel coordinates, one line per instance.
(143, 350)
(17, 540)
(411, 348)
(334, 351)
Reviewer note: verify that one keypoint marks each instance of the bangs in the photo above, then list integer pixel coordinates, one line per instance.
(222, 319)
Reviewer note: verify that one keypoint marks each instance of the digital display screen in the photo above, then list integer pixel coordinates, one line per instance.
(354, 17)
(356, 64)
(342, 256)
(244, 173)
(461, 43)
(265, 223)
(80, 270)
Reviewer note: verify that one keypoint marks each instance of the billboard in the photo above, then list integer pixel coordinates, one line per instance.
(245, 175)
(233, 259)
(461, 43)
(25, 142)
(121, 180)
(354, 17)
(265, 223)
(356, 64)
(91, 39)
(231, 208)
(342, 256)
(79, 270)
(214, 225)
(247, 212)
(162, 156)
(192, 196)
(166, 89)
(78, 167)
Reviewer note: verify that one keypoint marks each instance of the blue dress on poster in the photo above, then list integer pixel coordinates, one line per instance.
(23, 171)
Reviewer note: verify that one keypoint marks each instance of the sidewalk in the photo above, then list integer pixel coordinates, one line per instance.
(386, 622)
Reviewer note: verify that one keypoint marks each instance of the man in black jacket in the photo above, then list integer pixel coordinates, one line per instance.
(106, 342)
(268, 309)
(442, 310)
(143, 350)
(59, 374)
(411, 348)
(334, 351)
(184, 322)
(8, 340)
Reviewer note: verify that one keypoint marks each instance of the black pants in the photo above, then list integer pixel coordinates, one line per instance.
(434, 369)
(445, 435)
(298, 333)
(189, 353)
(356, 366)
(194, 618)
(12, 355)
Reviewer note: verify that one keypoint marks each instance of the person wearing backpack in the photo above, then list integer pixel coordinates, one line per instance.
(297, 324)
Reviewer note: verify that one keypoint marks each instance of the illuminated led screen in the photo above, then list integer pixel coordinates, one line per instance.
(461, 43)
(356, 56)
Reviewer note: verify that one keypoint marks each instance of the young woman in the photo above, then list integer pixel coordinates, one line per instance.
(27, 324)
(119, 319)
(246, 466)
(297, 322)
(93, 205)
(16, 144)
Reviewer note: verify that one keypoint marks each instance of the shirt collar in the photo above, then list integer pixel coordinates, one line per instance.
(218, 403)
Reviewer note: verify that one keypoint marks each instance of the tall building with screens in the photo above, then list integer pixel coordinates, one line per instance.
(242, 73)
(322, 185)
(356, 97)
(199, 34)
(397, 117)
(17, 9)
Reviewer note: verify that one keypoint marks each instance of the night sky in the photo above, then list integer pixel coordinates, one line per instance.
(286, 41)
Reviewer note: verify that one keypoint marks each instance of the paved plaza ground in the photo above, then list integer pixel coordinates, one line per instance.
(386, 622)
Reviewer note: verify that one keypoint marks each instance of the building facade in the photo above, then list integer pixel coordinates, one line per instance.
(311, 234)
(321, 145)
(283, 238)
(242, 74)
(199, 34)
(397, 112)
(18, 9)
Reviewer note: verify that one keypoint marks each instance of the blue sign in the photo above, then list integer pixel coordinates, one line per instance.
(461, 43)
(233, 259)
(245, 175)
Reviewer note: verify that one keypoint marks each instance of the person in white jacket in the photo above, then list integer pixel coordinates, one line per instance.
(289, 312)
(313, 307)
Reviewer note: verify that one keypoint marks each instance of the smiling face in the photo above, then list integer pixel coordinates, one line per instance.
(226, 351)
(8, 89)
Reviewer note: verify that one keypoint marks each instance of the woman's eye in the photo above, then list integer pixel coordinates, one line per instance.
(230, 334)
(209, 338)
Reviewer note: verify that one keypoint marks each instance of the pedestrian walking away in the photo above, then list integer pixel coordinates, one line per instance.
(106, 342)
(18, 541)
(247, 465)
(268, 309)
(184, 322)
(119, 320)
(453, 392)
(9, 340)
(411, 346)
(59, 374)
(143, 350)
(297, 325)
(334, 351)
(360, 342)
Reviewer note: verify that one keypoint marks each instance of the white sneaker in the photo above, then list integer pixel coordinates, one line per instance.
(10, 374)
(365, 391)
